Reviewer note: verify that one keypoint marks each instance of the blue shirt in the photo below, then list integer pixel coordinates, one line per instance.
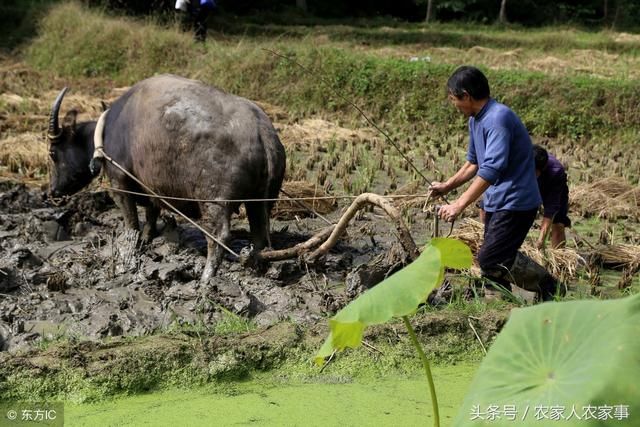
(501, 147)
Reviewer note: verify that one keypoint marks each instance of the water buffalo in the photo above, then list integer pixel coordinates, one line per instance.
(182, 139)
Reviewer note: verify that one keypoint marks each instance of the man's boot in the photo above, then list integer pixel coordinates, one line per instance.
(529, 275)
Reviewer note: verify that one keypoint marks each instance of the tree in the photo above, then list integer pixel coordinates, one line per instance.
(502, 17)
(429, 10)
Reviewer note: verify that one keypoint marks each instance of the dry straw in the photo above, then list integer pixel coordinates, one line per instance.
(25, 154)
(290, 209)
(607, 198)
(619, 256)
(312, 131)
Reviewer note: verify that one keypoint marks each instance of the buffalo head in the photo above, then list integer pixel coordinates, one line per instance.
(70, 151)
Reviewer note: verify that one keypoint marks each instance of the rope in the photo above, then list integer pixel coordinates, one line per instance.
(130, 175)
(185, 199)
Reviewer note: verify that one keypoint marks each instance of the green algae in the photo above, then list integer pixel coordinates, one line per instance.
(326, 400)
(83, 372)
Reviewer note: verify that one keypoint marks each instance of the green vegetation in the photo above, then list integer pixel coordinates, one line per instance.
(80, 371)
(18, 20)
(269, 401)
(573, 104)
(398, 296)
(569, 355)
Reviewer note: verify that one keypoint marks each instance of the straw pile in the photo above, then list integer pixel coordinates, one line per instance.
(631, 197)
(613, 186)
(619, 256)
(608, 198)
(25, 154)
(311, 131)
(563, 263)
(289, 209)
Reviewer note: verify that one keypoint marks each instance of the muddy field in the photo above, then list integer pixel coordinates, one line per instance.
(73, 270)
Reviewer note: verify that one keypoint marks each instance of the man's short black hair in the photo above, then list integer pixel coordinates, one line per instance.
(470, 80)
(541, 157)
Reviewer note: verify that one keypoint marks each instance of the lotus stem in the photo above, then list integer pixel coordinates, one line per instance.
(427, 370)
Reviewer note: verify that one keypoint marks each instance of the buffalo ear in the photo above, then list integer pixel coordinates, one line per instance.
(70, 119)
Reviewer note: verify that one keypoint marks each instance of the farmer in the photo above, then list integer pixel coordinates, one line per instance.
(500, 162)
(552, 182)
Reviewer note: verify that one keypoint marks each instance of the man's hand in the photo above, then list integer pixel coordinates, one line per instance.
(439, 188)
(450, 212)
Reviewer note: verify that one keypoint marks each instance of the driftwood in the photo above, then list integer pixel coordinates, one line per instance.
(362, 200)
(297, 250)
(335, 231)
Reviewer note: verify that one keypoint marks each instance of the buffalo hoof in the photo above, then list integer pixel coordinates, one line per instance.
(148, 234)
(250, 258)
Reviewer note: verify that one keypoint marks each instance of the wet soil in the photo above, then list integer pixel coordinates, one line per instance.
(73, 270)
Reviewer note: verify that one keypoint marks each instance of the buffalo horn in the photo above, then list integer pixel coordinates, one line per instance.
(54, 128)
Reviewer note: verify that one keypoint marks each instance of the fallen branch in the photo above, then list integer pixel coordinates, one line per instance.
(297, 250)
(331, 234)
(362, 200)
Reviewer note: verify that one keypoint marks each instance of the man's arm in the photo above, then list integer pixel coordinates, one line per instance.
(475, 190)
(464, 174)
(545, 228)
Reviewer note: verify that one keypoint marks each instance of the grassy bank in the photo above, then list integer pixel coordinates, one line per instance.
(78, 371)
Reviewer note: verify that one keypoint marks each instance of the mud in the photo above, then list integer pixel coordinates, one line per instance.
(73, 271)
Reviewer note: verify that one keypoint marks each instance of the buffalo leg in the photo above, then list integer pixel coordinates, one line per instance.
(219, 217)
(127, 205)
(149, 230)
(258, 215)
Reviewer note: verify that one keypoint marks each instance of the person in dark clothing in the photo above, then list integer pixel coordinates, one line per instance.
(195, 15)
(500, 162)
(552, 182)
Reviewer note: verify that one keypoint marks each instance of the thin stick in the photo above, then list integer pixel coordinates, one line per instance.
(328, 361)
(427, 370)
(477, 336)
(366, 344)
(336, 93)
